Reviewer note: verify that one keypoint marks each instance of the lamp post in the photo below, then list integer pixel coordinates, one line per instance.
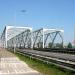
(23, 11)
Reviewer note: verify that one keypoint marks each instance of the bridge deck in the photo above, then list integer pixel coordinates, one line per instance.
(69, 57)
(11, 65)
(60, 59)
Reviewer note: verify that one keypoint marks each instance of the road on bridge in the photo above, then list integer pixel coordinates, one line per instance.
(60, 59)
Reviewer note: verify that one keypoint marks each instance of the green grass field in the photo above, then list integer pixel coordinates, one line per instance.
(45, 69)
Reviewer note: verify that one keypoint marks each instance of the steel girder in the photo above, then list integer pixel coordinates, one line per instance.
(3, 38)
(23, 40)
(43, 36)
(28, 39)
(38, 38)
(53, 36)
(10, 32)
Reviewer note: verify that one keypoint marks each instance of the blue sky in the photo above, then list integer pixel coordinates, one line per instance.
(59, 14)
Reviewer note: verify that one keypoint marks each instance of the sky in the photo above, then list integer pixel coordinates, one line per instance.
(54, 14)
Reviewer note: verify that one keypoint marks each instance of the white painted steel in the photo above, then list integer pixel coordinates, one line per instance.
(24, 37)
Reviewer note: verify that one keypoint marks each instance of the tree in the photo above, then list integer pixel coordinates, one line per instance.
(50, 45)
(59, 45)
(69, 45)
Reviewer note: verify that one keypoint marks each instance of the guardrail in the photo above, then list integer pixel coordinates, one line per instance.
(58, 50)
(59, 62)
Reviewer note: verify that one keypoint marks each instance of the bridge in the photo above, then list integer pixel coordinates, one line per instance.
(24, 40)
(25, 37)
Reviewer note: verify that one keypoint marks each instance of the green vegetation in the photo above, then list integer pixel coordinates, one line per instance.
(45, 69)
(69, 45)
(57, 45)
(49, 45)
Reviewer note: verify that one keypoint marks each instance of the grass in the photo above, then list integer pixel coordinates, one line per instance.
(45, 69)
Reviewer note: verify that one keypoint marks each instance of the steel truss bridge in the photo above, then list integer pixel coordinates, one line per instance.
(25, 37)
